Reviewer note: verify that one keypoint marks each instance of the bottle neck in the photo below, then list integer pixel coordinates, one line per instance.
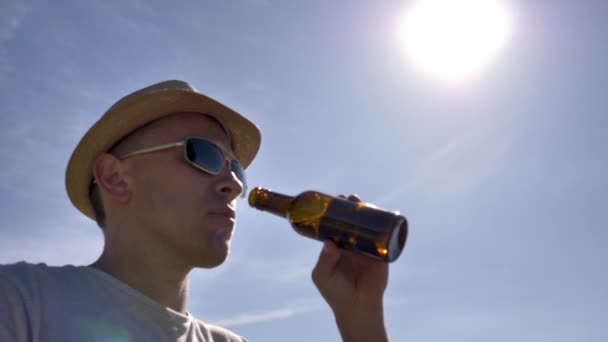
(270, 201)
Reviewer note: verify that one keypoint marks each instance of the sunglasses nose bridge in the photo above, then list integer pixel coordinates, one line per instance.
(229, 166)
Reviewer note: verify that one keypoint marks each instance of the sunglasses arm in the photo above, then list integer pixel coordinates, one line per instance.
(153, 149)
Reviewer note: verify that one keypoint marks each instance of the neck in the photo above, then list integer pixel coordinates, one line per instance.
(156, 276)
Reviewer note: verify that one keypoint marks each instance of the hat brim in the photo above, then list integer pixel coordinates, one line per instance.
(128, 115)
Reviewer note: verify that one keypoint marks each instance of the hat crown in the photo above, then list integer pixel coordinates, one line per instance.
(170, 85)
(163, 86)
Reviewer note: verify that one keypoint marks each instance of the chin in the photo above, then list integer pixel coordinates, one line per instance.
(214, 260)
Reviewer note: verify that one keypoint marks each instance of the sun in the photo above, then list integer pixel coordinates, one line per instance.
(452, 40)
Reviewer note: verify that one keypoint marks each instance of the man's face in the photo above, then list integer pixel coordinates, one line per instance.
(182, 212)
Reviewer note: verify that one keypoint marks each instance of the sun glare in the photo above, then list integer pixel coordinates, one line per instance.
(454, 40)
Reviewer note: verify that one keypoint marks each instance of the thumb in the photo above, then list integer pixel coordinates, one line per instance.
(327, 262)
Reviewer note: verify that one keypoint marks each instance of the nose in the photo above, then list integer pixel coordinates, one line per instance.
(228, 184)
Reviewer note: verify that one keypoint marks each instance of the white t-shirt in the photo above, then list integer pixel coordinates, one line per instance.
(39, 303)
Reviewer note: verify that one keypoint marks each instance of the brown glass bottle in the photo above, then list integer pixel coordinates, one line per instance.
(354, 226)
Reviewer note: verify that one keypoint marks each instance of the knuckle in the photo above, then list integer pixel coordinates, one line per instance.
(354, 197)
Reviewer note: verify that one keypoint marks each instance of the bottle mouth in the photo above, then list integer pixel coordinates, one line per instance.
(253, 196)
(397, 239)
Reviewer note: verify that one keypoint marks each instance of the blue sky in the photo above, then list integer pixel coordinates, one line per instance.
(503, 179)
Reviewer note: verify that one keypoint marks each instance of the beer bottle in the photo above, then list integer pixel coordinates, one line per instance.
(355, 226)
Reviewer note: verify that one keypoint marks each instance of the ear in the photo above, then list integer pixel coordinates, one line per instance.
(110, 176)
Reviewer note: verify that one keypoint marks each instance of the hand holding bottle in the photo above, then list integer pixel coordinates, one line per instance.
(353, 285)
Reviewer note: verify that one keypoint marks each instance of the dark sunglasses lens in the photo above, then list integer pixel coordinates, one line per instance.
(206, 155)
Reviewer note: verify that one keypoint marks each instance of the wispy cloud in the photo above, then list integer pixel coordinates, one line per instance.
(10, 18)
(278, 272)
(265, 316)
(73, 241)
(457, 165)
(21, 144)
(134, 15)
(428, 167)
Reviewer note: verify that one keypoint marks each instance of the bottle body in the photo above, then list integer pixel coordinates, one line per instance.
(354, 226)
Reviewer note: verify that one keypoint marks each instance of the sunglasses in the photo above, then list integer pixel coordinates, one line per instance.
(203, 155)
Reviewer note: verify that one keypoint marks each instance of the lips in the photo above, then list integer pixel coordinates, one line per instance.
(223, 220)
(224, 212)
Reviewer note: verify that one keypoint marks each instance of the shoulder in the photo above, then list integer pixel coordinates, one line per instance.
(24, 271)
(220, 334)
(21, 273)
(30, 278)
(20, 293)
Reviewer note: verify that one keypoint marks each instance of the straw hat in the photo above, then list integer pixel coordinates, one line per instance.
(144, 106)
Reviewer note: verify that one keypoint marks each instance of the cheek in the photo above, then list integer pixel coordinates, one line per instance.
(156, 186)
(182, 190)
(173, 185)
(190, 183)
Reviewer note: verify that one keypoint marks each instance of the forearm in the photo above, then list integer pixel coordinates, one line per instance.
(362, 326)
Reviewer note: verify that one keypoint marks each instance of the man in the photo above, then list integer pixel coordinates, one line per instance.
(161, 172)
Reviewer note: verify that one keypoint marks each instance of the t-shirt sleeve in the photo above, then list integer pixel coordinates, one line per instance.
(13, 312)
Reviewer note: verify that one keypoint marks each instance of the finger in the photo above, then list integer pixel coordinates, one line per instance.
(354, 198)
(330, 255)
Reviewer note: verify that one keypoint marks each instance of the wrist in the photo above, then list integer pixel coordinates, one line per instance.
(362, 325)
